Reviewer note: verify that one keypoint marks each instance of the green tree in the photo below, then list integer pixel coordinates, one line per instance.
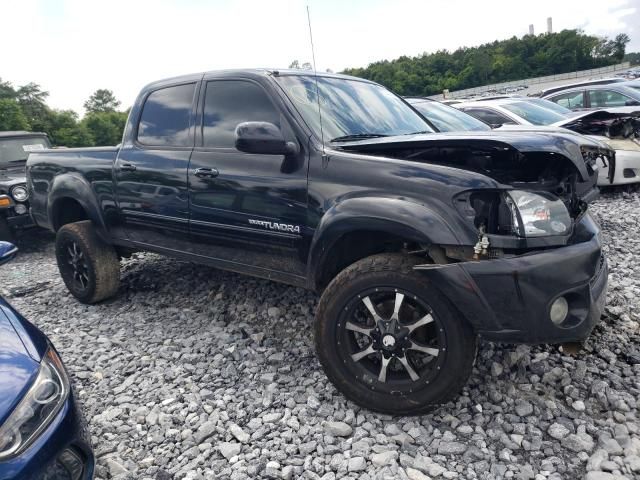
(33, 99)
(105, 127)
(7, 90)
(65, 130)
(102, 100)
(499, 61)
(11, 116)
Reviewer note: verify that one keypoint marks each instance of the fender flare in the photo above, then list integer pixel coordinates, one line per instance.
(74, 186)
(403, 218)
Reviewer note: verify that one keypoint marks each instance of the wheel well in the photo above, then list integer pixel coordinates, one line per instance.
(67, 210)
(355, 246)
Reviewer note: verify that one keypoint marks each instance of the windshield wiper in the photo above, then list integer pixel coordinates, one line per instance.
(358, 136)
(418, 133)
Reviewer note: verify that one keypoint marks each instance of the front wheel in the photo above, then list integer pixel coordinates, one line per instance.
(388, 341)
(88, 266)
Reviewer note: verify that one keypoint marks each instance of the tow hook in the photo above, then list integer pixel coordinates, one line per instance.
(481, 248)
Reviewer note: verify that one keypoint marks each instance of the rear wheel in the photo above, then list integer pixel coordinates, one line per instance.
(88, 266)
(388, 341)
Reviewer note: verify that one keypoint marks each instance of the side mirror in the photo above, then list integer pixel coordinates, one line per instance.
(631, 103)
(495, 125)
(7, 252)
(263, 138)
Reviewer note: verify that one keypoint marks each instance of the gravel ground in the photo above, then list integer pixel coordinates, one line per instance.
(196, 373)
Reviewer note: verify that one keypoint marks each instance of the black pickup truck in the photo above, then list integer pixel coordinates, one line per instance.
(418, 241)
(14, 196)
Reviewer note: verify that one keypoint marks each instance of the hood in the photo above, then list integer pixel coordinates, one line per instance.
(523, 141)
(9, 178)
(19, 362)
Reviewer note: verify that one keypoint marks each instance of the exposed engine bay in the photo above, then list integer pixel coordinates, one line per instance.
(538, 171)
(606, 123)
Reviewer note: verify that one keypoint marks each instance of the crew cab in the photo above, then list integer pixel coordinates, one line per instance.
(14, 205)
(417, 241)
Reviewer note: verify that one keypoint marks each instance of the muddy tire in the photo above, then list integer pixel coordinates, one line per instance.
(389, 341)
(88, 266)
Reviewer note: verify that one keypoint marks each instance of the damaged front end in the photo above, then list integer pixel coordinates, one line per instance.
(619, 129)
(536, 272)
(544, 182)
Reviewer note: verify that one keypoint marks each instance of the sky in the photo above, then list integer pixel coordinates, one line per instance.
(73, 47)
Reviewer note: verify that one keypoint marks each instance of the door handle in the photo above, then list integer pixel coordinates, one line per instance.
(127, 167)
(206, 172)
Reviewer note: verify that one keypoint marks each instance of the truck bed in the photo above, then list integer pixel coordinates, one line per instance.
(93, 166)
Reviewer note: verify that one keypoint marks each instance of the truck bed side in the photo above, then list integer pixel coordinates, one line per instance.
(61, 179)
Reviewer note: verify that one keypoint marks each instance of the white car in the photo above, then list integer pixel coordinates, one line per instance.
(619, 128)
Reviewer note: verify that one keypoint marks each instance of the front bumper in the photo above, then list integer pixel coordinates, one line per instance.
(509, 299)
(64, 443)
(20, 221)
(627, 169)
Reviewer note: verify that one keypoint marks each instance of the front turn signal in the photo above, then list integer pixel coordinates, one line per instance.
(5, 201)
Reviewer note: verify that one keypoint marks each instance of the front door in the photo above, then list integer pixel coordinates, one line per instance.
(247, 210)
(151, 172)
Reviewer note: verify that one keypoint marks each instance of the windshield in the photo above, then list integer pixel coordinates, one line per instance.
(533, 113)
(351, 108)
(449, 119)
(18, 149)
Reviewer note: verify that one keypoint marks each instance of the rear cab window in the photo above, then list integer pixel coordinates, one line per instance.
(166, 117)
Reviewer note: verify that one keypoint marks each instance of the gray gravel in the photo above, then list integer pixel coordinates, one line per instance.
(196, 373)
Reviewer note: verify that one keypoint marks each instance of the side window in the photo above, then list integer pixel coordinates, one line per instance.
(607, 98)
(569, 100)
(165, 117)
(230, 102)
(489, 116)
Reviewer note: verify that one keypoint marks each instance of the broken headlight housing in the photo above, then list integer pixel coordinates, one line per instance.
(37, 408)
(518, 214)
(537, 214)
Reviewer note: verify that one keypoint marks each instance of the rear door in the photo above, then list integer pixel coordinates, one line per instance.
(246, 209)
(151, 171)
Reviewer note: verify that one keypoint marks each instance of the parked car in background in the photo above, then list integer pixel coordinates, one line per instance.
(43, 435)
(620, 130)
(14, 196)
(599, 81)
(417, 241)
(596, 97)
(632, 84)
(445, 118)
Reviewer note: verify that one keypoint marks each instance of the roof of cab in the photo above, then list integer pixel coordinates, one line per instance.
(248, 72)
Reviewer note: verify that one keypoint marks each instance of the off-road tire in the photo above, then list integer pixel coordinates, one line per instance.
(6, 234)
(393, 270)
(102, 264)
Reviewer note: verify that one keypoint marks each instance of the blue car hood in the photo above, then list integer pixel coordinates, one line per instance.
(21, 348)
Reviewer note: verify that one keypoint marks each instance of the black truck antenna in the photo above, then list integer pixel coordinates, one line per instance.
(315, 75)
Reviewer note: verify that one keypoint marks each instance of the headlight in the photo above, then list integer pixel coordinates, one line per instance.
(20, 193)
(538, 214)
(38, 407)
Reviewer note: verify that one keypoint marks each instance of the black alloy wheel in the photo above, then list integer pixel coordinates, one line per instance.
(389, 340)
